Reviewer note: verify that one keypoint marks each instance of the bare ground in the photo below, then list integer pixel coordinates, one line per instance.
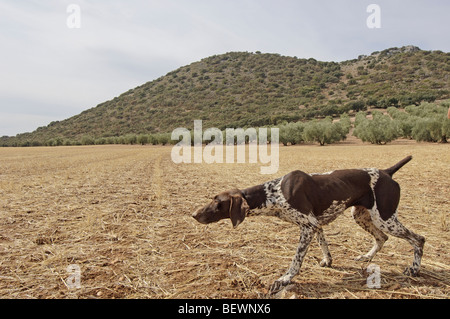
(122, 214)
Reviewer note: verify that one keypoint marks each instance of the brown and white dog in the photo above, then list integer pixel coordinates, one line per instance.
(313, 200)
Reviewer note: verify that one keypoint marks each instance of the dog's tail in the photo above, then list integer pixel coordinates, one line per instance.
(391, 170)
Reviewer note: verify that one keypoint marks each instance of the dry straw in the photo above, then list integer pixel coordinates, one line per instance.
(122, 214)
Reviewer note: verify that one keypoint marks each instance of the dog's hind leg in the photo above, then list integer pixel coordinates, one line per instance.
(362, 217)
(384, 217)
(327, 260)
(393, 227)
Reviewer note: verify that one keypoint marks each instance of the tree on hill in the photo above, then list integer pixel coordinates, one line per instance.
(291, 133)
(380, 130)
(325, 131)
(426, 122)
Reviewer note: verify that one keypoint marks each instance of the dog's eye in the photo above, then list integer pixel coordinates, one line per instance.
(219, 204)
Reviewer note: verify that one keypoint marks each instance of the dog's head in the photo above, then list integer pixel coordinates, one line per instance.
(230, 204)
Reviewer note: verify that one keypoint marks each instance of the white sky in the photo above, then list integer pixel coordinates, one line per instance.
(50, 72)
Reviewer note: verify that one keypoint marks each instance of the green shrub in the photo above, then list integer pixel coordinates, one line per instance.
(87, 140)
(142, 139)
(325, 131)
(291, 133)
(380, 130)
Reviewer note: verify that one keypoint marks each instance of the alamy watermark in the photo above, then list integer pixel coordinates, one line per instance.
(74, 279)
(374, 279)
(74, 19)
(374, 19)
(213, 152)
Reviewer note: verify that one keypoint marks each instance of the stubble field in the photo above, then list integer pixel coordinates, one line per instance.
(122, 216)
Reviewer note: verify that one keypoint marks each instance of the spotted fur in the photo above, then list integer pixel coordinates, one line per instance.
(369, 220)
(314, 200)
(309, 224)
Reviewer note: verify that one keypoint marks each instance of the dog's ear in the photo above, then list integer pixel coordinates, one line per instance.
(238, 209)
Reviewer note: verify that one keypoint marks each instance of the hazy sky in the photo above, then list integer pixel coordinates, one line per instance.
(50, 71)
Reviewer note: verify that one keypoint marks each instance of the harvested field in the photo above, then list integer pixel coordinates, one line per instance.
(122, 214)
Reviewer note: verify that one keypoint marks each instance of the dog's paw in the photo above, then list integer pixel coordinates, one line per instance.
(363, 258)
(325, 262)
(411, 271)
(278, 285)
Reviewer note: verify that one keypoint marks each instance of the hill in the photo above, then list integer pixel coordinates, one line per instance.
(241, 89)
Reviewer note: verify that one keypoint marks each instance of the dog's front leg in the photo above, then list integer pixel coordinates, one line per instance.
(307, 234)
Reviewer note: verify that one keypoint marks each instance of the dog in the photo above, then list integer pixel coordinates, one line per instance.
(314, 200)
